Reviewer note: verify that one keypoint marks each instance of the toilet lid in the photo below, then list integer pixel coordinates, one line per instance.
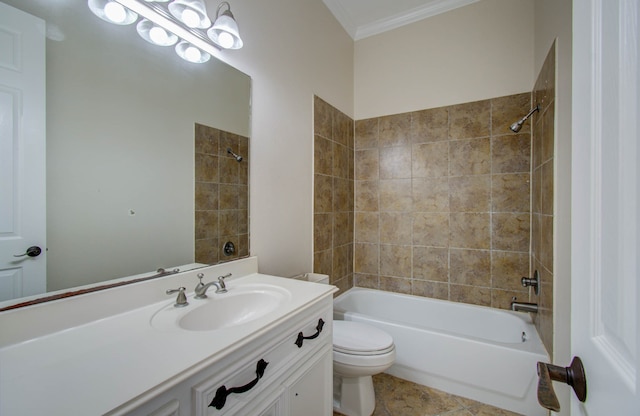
(354, 337)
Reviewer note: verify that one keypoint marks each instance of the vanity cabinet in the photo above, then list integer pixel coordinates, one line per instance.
(287, 371)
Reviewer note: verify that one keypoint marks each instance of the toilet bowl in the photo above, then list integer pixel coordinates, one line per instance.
(359, 352)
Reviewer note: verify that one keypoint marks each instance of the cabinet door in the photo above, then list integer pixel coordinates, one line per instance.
(310, 392)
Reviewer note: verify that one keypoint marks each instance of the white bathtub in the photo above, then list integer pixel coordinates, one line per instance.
(485, 354)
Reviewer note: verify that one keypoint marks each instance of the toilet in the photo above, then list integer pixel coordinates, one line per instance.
(359, 352)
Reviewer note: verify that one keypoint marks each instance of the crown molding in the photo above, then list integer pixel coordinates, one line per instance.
(431, 8)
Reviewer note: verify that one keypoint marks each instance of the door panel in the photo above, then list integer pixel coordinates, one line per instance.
(605, 207)
(22, 153)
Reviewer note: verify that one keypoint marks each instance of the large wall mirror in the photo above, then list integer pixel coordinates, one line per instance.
(121, 122)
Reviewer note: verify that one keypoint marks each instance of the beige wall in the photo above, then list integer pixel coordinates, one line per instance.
(553, 21)
(293, 50)
(476, 52)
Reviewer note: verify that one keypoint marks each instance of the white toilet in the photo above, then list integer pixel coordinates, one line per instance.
(359, 351)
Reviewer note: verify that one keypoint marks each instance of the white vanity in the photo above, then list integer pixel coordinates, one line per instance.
(262, 348)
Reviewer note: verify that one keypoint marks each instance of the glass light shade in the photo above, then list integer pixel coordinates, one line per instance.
(192, 13)
(112, 12)
(155, 34)
(225, 32)
(190, 53)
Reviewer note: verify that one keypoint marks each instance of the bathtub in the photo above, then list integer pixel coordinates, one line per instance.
(485, 354)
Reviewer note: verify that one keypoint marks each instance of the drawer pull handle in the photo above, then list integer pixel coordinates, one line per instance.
(221, 394)
(301, 336)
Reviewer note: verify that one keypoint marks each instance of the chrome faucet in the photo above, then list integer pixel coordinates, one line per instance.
(201, 288)
(523, 306)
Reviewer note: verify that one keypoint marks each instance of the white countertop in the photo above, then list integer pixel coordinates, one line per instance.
(95, 367)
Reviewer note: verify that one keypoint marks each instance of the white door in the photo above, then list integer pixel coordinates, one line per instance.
(605, 284)
(22, 153)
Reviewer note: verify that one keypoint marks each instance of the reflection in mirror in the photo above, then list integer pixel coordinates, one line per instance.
(122, 118)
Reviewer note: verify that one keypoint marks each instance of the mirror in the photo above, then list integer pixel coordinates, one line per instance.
(122, 117)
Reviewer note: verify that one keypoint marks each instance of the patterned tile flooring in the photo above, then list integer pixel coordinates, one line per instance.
(397, 397)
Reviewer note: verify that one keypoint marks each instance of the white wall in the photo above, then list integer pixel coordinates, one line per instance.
(553, 20)
(293, 50)
(472, 53)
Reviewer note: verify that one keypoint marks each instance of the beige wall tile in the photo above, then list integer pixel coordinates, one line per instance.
(507, 268)
(322, 155)
(436, 290)
(323, 262)
(206, 168)
(395, 284)
(470, 230)
(206, 251)
(511, 192)
(228, 195)
(342, 194)
(470, 193)
(395, 162)
(206, 224)
(510, 231)
(342, 128)
(430, 125)
(430, 194)
(366, 227)
(507, 110)
(430, 160)
(470, 267)
(366, 258)
(546, 243)
(341, 257)
(367, 164)
(394, 130)
(395, 228)
(536, 191)
(342, 228)
(502, 299)
(340, 160)
(430, 263)
(368, 281)
(546, 188)
(366, 195)
(470, 120)
(323, 118)
(207, 139)
(547, 134)
(431, 229)
(323, 193)
(470, 294)
(395, 260)
(322, 231)
(366, 134)
(511, 154)
(206, 195)
(470, 157)
(395, 195)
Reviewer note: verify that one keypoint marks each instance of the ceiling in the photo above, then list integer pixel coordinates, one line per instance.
(364, 18)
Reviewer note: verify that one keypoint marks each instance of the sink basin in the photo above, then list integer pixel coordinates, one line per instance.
(240, 305)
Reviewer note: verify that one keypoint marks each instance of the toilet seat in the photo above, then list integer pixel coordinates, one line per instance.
(354, 338)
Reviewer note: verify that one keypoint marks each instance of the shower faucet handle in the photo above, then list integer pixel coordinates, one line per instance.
(534, 282)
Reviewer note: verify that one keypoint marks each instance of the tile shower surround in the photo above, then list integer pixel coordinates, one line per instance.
(333, 194)
(542, 198)
(442, 202)
(221, 194)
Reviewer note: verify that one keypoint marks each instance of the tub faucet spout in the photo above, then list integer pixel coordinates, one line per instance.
(524, 307)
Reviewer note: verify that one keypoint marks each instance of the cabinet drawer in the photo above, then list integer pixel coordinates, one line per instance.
(228, 392)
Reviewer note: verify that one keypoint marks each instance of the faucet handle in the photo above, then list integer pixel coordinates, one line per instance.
(181, 300)
(222, 287)
(200, 276)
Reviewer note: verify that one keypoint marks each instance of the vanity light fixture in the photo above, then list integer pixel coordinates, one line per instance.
(192, 13)
(113, 12)
(225, 31)
(190, 53)
(167, 22)
(155, 34)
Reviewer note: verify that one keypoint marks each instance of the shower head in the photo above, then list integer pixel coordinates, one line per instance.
(515, 127)
(238, 157)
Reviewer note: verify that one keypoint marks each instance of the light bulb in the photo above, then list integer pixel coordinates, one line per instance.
(190, 18)
(225, 40)
(193, 54)
(115, 12)
(158, 35)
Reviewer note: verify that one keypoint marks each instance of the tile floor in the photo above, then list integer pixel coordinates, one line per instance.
(397, 397)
